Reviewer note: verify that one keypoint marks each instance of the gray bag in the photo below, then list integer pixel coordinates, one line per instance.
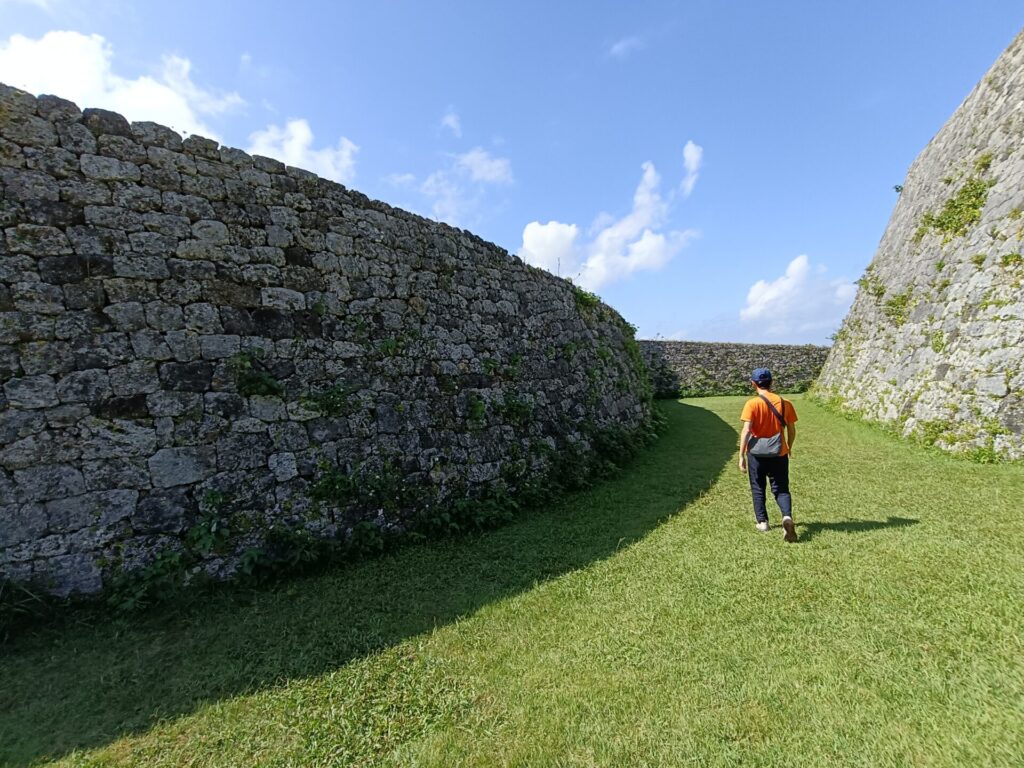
(767, 447)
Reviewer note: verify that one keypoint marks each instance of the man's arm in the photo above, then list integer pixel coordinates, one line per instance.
(790, 435)
(744, 434)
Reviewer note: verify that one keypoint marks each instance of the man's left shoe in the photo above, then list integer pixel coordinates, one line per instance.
(788, 530)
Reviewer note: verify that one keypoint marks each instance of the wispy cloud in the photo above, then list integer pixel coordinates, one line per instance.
(693, 154)
(80, 67)
(47, 6)
(452, 122)
(482, 166)
(624, 48)
(637, 241)
(455, 192)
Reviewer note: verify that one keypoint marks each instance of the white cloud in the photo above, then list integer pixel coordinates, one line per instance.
(80, 67)
(451, 121)
(693, 154)
(481, 166)
(618, 247)
(551, 246)
(293, 144)
(621, 49)
(801, 301)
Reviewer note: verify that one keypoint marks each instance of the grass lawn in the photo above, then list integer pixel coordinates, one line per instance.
(643, 622)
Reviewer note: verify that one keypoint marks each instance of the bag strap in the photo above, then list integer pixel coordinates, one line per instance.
(778, 415)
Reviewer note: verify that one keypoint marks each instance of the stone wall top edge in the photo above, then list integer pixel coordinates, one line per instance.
(56, 109)
(152, 134)
(980, 87)
(734, 344)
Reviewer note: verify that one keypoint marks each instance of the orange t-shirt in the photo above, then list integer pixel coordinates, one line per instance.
(763, 422)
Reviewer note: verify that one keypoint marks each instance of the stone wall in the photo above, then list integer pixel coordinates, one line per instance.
(932, 345)
(194, 340)
(697, 368)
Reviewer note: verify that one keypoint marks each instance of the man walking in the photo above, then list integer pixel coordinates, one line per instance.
(769, 429)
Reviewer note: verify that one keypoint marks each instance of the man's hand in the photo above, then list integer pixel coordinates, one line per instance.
(743, 462)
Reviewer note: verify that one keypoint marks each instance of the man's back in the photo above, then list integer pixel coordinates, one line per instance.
(764, 423)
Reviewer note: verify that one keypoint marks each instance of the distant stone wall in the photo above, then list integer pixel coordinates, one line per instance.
(933, 343)
(697, 368)
(198, 346)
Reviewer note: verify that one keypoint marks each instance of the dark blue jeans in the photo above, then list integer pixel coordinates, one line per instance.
(775, 469)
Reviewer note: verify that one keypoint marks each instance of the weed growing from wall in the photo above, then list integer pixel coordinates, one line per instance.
(251, 376)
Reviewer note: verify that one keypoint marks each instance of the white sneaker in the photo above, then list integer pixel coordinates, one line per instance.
(762, 527)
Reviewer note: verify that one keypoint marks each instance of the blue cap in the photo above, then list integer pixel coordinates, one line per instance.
(761, 376)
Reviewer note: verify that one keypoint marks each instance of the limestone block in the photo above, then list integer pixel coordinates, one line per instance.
(203, 318)
(163, 511)
(210, 231)
(31, 391)
(282, 298)
(181, 466)
(86, 386)
(102, 168)
(283, 466)
(218, 346)
(20, 523)
(100, 508)
(72, 574)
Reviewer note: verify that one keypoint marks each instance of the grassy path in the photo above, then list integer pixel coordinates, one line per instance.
(643, 622)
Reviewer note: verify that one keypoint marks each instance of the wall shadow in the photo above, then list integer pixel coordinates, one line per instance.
(82, 686)
(808, 531)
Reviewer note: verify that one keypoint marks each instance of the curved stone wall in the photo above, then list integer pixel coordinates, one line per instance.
(698, 368)
(193, 339)
(932, 344)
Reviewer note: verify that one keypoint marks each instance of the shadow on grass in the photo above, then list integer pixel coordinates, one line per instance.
(82, 686)
(809, 530)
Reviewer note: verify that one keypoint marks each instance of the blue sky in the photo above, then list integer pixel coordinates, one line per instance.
(715, 171)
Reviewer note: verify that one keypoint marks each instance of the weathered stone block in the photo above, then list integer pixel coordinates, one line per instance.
(282, 298)
(242, 451)
(122, 148)
(161, 316)
(28, 130)
(164, 511)
(25, 186)
(102, 168)
(187, 377)
(134, 378)
(283, 466)
(49, 481)
(73, 574)
(102, 121)
(76, 138)
(101, 508)
(218, 347)
(126, 407)
(156, 135)
(117, 438)
(86, 386)
(31, 392)
(203, 318)
(210, 231)
(181, 466)
(131, 473)
(37, 240)
(20, 523)
(126, 315)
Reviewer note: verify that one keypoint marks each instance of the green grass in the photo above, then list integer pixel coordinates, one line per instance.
(642, 622)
